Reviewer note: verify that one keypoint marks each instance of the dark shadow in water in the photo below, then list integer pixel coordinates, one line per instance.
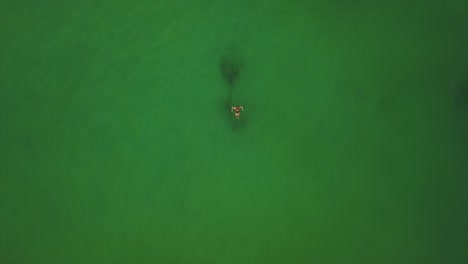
(461, 96)
(461, 110)
(230, 68)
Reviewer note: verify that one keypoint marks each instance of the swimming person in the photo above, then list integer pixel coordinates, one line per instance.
(236, 110)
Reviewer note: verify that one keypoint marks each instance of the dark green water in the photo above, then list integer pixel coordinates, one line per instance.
(117, 144)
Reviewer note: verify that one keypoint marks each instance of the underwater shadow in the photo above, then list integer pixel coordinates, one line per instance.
(230, 68)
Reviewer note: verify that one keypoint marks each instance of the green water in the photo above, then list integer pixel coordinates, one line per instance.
(117, 144)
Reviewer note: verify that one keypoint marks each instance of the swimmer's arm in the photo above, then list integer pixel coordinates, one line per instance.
(242, 108)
